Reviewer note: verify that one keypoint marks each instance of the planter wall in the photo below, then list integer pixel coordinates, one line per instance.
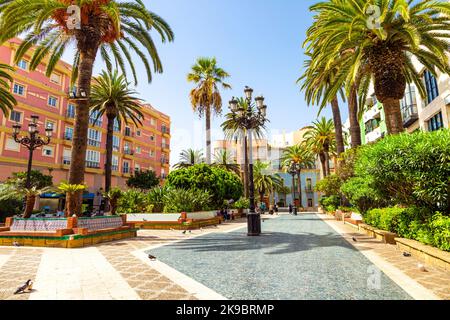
(384, 236)
(169, 217)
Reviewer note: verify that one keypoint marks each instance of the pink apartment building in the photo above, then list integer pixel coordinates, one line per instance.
(143, 148)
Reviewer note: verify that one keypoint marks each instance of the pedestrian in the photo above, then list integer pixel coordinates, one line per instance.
(290, 208)
(275, 209)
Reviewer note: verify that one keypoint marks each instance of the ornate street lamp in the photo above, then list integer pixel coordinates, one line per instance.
(31, 142)
(249, 120)
(293, 171)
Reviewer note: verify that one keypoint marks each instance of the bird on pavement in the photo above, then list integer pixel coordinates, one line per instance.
(184, 232)
(354, 239)
(406, 254)
(28, 286)
(152, 258)
(421, 267)
(16, 244)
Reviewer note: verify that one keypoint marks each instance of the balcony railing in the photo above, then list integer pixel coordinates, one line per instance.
(94, 143)
(94, 122)
(93, 165)
(66, 160)
(68, 137)
(164, 161)
(309, 189)
(410, 115)
(115, 167)
(165, 130)
(128, 152)
(165, 146)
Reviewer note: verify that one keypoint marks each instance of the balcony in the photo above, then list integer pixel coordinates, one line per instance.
(92, 165)
(164, 161)
(128, 151)
(94, 143)
(410, 115)
(374, 135)
(70, 114)
(163, 176)
(66, 161)
(165, 130)
(115, 167)
(309, 189)
(165, 146)
(94, 122)
(126, 170)
(68, 137)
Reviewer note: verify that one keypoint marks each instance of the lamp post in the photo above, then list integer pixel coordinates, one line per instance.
(294, 170)
(249, 120)
(31, 142)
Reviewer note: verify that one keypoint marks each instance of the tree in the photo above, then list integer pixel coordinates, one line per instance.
(143, 180)
(111, 96)
(234, 131)
(302, 158)
(7, 100)
(265, 181)
(71, 191)
(345, 36)
(321, 140)
(113, 196)
(37, 179)
(205, 97)
(110, 27)
(224, 160)
(190, 157)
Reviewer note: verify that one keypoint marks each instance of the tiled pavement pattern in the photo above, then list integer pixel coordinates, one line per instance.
(18, 266)
(435, 279)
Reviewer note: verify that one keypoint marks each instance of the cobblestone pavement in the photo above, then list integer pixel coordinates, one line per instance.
(115, 271)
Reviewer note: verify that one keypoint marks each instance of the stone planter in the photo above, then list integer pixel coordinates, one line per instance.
(384, 236)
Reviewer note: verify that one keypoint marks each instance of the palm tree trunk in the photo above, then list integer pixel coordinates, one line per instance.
(246, 161)
(109, 152)
(327, 163)
(29, 206)
(79, 145)
(394, 120)
(299, 186)
(322, 162)
(355, 129)
(208, 135)
(337, 126)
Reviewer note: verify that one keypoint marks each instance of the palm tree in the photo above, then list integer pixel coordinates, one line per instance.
(321, 140)
(111, 96)
(315, 83)
(302, 158)
(71, 191)
(16, 190)
(205, 97)
(381, 50)
(265, 182)
(234, 131)
(7, 100)
(223, 159)
(189, 158)
(109, 27)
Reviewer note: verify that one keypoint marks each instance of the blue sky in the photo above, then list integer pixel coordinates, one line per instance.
(259, 42)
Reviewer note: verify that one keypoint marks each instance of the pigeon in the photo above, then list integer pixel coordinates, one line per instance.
(145, 220)
(421, 267)
(354, 239)
(190, 231)
(406, 254)
(184, 232)
(28, 286)
(16, 244)
(152, 258)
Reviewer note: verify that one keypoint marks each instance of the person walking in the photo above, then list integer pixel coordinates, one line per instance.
(275, 209)
(290, 208)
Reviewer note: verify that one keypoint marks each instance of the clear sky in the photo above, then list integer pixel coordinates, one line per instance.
(258, 42)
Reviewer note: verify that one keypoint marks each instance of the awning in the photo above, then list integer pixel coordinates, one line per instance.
(86, 196)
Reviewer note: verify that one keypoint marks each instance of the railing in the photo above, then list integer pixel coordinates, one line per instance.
(165, 130)
(164, 161)
(93, 165)
(115, 167)
(309, 189)
(410, 114)
(67, 160)
(68, 137)
(165, 146)
(94, 143)
(94, 122)
(128, 152)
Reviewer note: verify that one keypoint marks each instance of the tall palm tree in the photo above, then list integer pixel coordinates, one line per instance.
(315, 82)
(234, 131)
(321, 140)
(112, 97)
(265, 182)
(380, 49)
(302, 158)
(190, 158)
(109, 27)
(223, 159)
(205, 97)
(7, 100)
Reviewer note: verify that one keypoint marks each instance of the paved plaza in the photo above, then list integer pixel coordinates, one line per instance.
(305, 257)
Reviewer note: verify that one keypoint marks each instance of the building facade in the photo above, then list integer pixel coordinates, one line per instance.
(427, 114)
(135, 148)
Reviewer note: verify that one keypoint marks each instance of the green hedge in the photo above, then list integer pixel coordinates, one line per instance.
(415, 223)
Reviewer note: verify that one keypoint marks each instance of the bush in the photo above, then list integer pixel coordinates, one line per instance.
(385, 219)
(330, 185)
(37, 179)
(156, 197)
(10, 202)
(331, 203)
(134, 201)
(219, 183)
(242, 203)
(180, 200)
(409, 169)
(361, 194)
(346, 209)
(143, 180)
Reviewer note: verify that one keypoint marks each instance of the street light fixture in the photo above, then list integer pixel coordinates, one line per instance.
(249, 120)
(31, 142)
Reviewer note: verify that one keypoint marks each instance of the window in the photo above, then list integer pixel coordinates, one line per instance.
(152, 138)
(94, 118)
(431, 86)
(52, 101)
(12, 145)
(138, 133)
(68, 133)
(137, 167)
(67, 156)
(55, 78)
(408, 104)
(47, 151)
(116, 125)
(116, 143)
(50, 125)
(70, 111)
(115, 163)
(308, 184)
(152, 121)
(19, 89)
(126, 167)
(436, 123)
(93, 159)
(128, 131)
(138, 150)
(152, 153)
(94, 138)
(15, 116)
(372, 125)
(23, 64)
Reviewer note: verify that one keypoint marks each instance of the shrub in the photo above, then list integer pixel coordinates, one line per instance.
(220, 184)
(145, 180)
(440, 226)
(181, 200)
(346, 209)
(361, 194)
(134, 201)
(242, 203)
(330, 185)
(385, 219)
(10, 203)
(409, 169)
(156, 197)
(37, 179)
(331, 203)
